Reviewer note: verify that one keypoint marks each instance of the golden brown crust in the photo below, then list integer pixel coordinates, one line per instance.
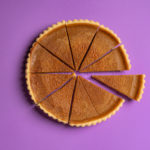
(126, 57)
(111, 33)
(82, 21)
(141, 88)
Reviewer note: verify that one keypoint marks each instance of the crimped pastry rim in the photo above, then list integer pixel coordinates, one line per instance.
(125, 56)
(141, 89)
(99, 120)
(111, 33)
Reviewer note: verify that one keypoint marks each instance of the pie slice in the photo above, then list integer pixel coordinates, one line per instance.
(82, 112)
(105, 103)
(116, 60)
(81, 33)
(104, 41)
(40, 60)
(129, 85)
(41, 85)
(55, 39)
(58, 104)
(92, 104)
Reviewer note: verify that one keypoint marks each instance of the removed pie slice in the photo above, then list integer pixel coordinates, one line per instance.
(81, 33)
(116, 60)
(55, 40)
(105, 103)
(83, 112)
(129, 85)
(40, 60)
(41, 85)
(103, 42)
(58, 104)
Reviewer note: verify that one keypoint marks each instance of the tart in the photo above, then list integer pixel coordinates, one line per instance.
(55, 63)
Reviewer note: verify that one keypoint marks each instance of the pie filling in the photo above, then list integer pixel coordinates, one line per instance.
(58, 58)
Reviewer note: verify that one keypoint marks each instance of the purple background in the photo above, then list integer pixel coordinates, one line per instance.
(21, 126)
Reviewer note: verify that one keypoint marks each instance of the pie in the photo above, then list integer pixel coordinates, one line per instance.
(54, 73)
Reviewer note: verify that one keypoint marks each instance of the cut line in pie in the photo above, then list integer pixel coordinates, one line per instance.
(83, 46)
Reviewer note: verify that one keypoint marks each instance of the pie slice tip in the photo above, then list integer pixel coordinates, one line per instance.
(111, 33)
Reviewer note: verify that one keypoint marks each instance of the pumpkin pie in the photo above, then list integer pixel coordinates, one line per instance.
(55, 40)
(83, 46)
(92, 104)
(129, 85)
(116, 60)
(80, 33)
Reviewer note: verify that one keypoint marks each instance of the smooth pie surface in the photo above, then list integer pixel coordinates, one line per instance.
(56, 41)
(129, 85)
(41, 85)
(82, 107)
(58, 104)
(80, 36)
(104, 102)
(103, 42)
(116, 60)
(41, 60)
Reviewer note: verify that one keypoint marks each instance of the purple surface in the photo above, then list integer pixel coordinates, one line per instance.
(21, 126)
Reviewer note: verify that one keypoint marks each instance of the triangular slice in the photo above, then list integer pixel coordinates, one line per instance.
(41, 85)
(82, 112)
(55, 40)
(116, 60)
(105, 103)
(80, 35)
(103, 42)
(58, 104)
(129, 85)
(40, 60)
